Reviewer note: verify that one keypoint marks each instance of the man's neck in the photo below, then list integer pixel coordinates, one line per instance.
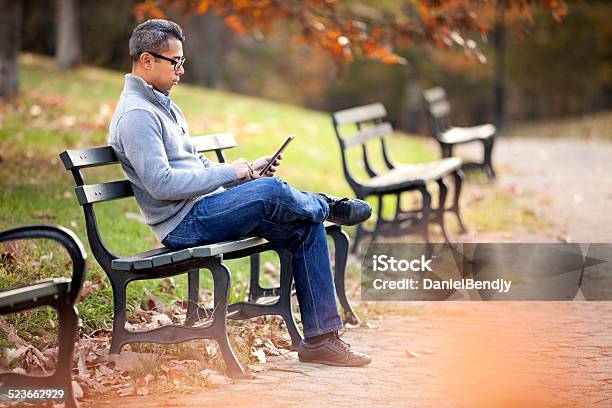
(135, 73)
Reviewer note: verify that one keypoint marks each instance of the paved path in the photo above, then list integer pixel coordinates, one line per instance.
(568, 181)
(476, 354)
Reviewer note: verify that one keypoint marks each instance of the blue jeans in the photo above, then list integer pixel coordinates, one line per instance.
(272, 209)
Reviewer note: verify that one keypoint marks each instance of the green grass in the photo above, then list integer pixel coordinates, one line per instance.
(60, 109)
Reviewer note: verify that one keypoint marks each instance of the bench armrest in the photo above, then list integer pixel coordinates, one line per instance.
(67, 239)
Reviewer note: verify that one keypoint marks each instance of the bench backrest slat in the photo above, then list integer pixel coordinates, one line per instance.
(439, 109)
(82, 158)
(360, 114)
(95, 193)
(369, 122)
(434, 94)
(218, 141)
(369, 133)
(78, 159)
(436, 101)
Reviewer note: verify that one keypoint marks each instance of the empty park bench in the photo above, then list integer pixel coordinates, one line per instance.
(437, 110)
(59, 293)
(165, 262)
(363, 125)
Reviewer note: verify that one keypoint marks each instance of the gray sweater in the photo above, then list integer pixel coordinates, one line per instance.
(152, 143)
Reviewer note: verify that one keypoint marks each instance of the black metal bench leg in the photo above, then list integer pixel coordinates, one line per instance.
(442, 207)
(380, 219)
(120, 334)
(358, 235)
(426, 209)
(222, 279)
(446, 149)
(193, 297)
(62, 377)
(458, 177)
(341, 246)
(488, 153)
(255, 289)
(68, 323)
(398, 208)
(284, 299)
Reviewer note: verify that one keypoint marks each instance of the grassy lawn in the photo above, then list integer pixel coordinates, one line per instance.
(60, 110)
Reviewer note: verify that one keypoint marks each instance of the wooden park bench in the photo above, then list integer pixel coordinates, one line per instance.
(363, 125)
(164, 262)
(437, 110)
(59, 293)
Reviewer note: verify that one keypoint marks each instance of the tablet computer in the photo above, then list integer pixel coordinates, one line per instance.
(276, 154)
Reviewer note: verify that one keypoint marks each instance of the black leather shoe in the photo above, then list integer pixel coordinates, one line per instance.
(347, 211)
(332, 351)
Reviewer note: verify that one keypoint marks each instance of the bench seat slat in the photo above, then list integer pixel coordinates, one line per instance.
(95, 193)
(126, 263)
(457, 135)
(181, 255)
(166, 256)
(360, 114)
(369, 133)
(12, 298)
(226, 246)
(414, 174)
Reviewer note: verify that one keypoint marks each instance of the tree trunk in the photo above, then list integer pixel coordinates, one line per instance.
(68, 39)
(501, 119)
(411, 108)
(10, 44)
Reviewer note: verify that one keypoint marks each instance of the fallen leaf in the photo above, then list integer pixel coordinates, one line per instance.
(129, 390)
(144, 391)
(81, 363)
(148, 378)
(161, 320)
(77, 391)
(214, 377)
(129, 360)
(153, 302)
(260, 355)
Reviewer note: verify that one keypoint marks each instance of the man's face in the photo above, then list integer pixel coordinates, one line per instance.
(162, 74)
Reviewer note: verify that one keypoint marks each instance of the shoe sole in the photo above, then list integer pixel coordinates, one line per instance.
(331, 363)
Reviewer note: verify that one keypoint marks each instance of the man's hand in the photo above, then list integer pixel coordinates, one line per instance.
(260, 163)
(244, 170)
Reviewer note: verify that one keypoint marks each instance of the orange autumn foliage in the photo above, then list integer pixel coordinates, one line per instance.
(337, 30)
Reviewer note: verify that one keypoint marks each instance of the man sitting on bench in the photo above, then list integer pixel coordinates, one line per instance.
(182, 197)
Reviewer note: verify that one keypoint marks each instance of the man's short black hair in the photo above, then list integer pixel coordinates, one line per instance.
(152, 36)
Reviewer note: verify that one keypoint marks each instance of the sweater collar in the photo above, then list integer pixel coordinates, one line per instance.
(135, 84)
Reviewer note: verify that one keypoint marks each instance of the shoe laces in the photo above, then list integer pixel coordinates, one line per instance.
(341, 343)
(341, 208)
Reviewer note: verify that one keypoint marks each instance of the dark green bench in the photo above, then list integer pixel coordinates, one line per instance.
(437, 110)
(59, 293)
(362, 126)
(164, 262)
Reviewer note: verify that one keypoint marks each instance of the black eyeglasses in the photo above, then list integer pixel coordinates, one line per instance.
(177, 64)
